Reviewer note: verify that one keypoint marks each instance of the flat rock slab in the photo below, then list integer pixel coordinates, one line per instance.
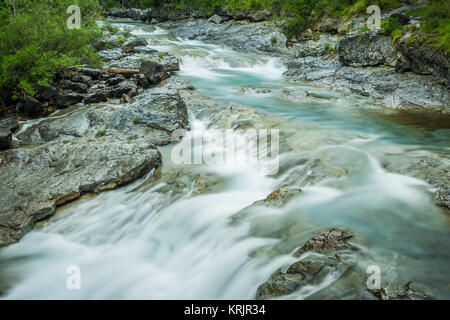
(88, 150)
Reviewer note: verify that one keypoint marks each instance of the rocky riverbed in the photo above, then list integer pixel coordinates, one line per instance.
(279, 237)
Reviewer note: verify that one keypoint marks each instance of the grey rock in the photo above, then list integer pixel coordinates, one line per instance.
(367, 49)
(74, 159)
(36, 180)
(111, 54)
(66, 99)
(337, 255)
(251, 37)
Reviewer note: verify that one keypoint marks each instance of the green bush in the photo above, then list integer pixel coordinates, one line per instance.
(436, 23)
(36, 42)
(390, 25)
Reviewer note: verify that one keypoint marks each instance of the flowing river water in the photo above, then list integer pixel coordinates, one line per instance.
(139, 242)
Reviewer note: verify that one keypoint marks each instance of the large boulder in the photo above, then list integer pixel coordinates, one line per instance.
(88, 150)
(36, 180)
(367, 49)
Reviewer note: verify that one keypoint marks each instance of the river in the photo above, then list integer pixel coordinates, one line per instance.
(138, 242)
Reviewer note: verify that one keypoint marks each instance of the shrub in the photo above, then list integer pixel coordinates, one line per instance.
(36, 42)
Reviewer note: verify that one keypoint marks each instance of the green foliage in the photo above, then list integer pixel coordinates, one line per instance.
(329, 48)
(36, 42)
(100, 133)
(436, 23)
(391, 25)
(273, 41)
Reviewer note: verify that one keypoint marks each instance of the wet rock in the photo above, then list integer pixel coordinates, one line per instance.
(408, 291)
(252, 37)
(153, 71)
(278, 198)
(37, 179)
(73, 86)
(337, 256)
(96, 97)
(124, 87)
(327, 241)
(206, 183)
(90, 149)
(5, 138)
(66, 99)
(367, 49)
(29, 105)
(387, 88)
